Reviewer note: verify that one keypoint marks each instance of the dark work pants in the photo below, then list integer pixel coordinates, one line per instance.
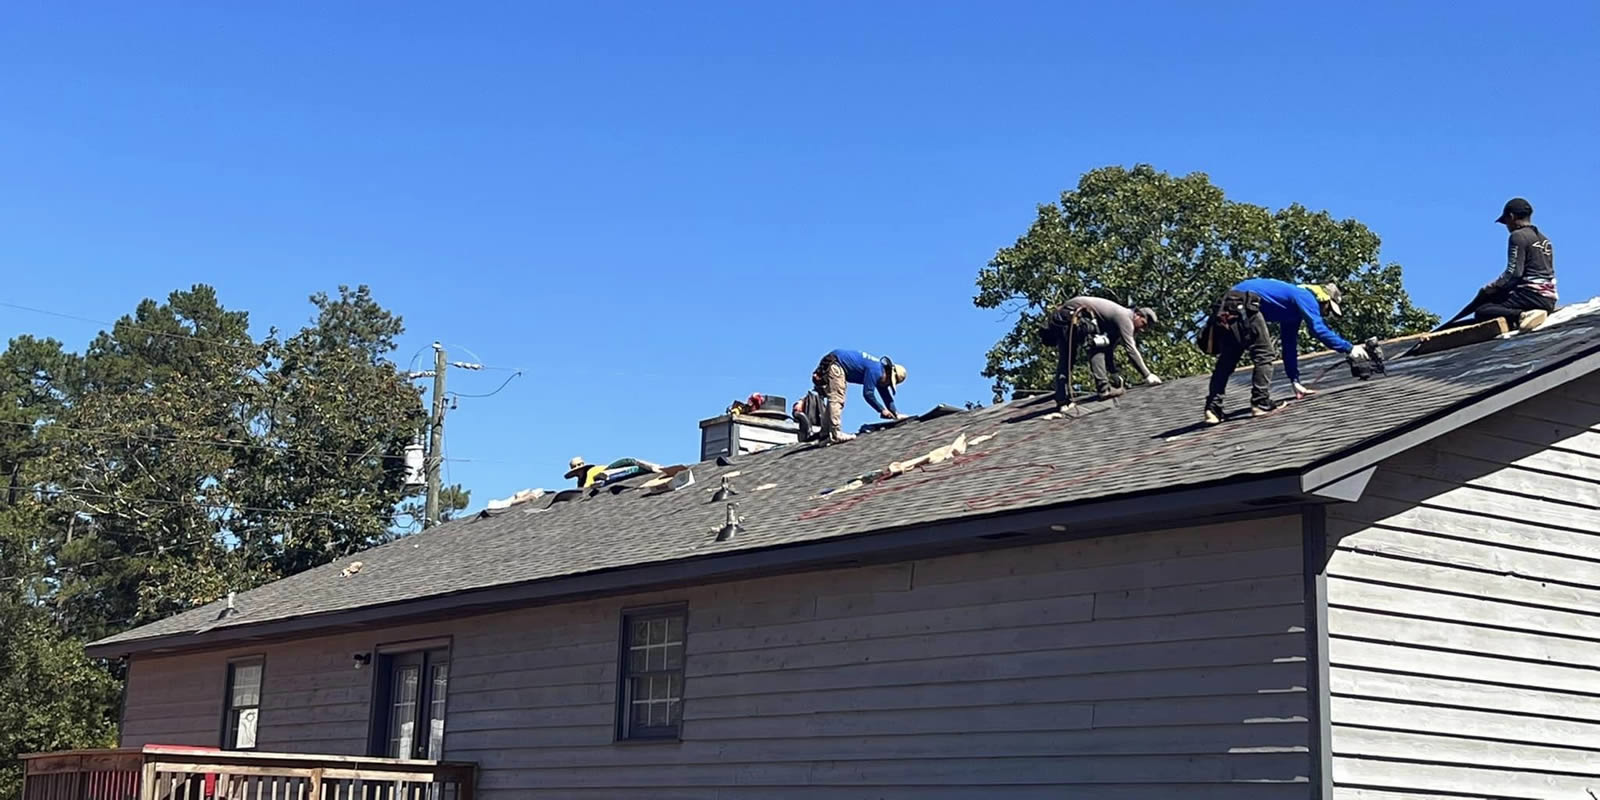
(1102, 362)
(1510, 304)
(1247, 334)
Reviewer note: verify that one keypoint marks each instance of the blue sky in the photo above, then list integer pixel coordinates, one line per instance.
(657, 208)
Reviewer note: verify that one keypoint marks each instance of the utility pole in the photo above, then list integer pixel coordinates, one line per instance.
(435, 438)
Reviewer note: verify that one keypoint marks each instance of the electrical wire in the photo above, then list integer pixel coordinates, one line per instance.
(232, 443)
(151, 331)
(503, 384)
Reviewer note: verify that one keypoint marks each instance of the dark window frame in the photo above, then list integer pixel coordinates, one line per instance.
(625, 731)
(230, 724)
(379, 721)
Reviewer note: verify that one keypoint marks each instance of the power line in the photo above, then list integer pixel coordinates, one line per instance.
(130, 326)
(502, 385)
(111, 434)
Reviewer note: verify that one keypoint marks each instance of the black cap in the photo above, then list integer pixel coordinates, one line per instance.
(1516, 208)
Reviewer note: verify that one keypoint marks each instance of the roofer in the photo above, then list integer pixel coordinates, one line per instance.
(877, 377)
(1096, 326)
(1525, 293)
(1239, 324)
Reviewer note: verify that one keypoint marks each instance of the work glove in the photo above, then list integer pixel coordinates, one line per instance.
(1359, 353)
(1153, 379)
(1100, 340)
(1300, 390)
(887, 414)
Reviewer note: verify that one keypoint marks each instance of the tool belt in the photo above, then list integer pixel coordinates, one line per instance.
(819, 377)
(1230, 313)
(1064, 322)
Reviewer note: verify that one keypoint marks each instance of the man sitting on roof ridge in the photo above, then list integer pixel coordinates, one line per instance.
(1525, 293)
(1239, 323)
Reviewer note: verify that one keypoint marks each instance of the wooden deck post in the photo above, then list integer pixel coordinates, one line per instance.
(316, 784)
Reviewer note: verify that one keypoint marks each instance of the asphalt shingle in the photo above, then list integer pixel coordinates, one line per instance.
(1148, 440)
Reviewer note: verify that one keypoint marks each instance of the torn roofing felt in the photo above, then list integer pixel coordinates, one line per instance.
(1143, 444)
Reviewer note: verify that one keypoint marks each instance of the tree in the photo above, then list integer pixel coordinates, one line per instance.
(1143, 237)
(177, 459)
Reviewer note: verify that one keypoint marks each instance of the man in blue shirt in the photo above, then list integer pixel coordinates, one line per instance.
(1239, 323)
(877, 376)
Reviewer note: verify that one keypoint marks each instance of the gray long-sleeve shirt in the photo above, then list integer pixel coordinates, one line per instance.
(1116, 322)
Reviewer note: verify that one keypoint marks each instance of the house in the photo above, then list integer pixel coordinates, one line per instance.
(1390, 590)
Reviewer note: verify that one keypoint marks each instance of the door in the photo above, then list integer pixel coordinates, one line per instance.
(412, 705)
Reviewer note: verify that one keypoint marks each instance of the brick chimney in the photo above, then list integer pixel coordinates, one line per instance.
(738, 434)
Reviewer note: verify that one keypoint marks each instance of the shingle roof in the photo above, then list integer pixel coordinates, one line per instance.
(1146, 441)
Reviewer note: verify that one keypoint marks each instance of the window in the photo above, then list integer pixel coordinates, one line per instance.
(244, 704)
(651, 692)
(411, 691)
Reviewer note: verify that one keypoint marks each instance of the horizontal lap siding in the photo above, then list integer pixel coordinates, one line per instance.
(1140, 666)
(1464, 596)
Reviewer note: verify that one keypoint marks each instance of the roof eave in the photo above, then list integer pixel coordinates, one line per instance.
(1247, 496)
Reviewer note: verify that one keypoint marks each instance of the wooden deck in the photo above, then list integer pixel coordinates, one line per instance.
(183, 773)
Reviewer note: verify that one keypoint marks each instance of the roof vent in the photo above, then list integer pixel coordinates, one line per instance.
(731, 528)
(725, 492)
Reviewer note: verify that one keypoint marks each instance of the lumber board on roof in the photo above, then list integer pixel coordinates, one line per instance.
(1456, 337)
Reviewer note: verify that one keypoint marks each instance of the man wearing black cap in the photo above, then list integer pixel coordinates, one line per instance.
(1526, 292)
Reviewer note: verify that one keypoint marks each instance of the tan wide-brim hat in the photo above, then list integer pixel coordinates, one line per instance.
(577, 465)
(897, 376)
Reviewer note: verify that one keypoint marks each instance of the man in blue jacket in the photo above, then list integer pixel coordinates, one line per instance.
(1239, 323)
(877, 376)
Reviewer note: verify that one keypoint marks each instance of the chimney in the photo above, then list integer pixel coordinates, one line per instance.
(737, 434)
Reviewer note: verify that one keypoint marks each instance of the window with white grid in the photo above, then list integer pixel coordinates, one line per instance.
(652, 673)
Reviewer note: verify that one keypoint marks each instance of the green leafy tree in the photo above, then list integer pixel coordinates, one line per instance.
(176, 459)
(1143, 237)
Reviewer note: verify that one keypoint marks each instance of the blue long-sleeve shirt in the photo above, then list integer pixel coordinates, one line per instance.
(867, 370)
(1287, 304)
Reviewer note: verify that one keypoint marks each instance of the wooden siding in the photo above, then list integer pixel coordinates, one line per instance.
(1139, 666)
(1464, 612)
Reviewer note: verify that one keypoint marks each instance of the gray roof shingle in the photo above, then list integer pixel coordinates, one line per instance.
(1146, 441)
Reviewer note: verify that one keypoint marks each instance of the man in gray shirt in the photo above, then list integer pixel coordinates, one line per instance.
(1096, 326)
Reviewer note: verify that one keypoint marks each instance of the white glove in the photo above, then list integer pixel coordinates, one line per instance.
(1301, 391)
(1153, 379)
(1359, 353)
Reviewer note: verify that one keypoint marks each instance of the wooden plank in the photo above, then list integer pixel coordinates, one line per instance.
(1464, 471)
(1495, 586)
(937, 688)
(1460, 637)
(1129, 549)
(1214, 651)
(1168, 572)
(1532, 700)
(1450, 338)
(1419, 748)
(1086, 770)
(1048, 611)
(1479, 667)
(1406, 716)
(1186, 740)
(1383, 541)
(1476, 500)
(1478, 611)
(1347, 520)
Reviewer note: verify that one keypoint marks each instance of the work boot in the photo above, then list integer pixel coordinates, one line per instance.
(1112, 391)
(840, 436)
(1258, 411)
(1532, 319)
(1213, 416)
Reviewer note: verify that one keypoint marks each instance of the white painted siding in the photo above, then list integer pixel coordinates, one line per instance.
(1464, 595)
(1148, 665)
